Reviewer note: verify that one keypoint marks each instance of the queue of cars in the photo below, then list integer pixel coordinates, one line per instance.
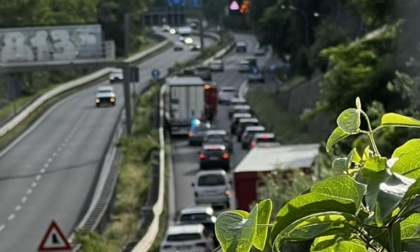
(212, 185)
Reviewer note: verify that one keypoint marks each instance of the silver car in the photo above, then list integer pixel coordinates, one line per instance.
(212, 187)
(217, 66)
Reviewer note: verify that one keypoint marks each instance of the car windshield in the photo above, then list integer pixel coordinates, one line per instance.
(215, 138)
(194, 217)
(104, 91)
(184, 237)
(211, 180)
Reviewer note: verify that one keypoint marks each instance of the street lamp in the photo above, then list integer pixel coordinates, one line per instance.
(305, 19)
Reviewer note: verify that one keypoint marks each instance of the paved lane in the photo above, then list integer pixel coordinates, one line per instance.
(185, 157)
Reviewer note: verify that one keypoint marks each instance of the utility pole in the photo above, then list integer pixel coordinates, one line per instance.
(126, 34)
(127, 97)
(202, 49)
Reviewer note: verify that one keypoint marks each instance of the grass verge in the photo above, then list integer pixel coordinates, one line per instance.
(289, 128)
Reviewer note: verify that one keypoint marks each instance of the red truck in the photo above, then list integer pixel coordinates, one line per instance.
(211, 100)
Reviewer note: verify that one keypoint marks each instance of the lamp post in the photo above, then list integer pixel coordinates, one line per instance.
(305, 19)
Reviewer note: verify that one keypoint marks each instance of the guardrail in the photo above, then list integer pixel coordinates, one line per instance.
(70, 85)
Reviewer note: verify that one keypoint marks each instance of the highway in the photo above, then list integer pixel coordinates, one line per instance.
(185, 158)
(48, 173)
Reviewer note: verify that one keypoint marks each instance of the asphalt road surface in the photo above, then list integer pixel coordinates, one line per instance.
(185, 157)
(48, 173)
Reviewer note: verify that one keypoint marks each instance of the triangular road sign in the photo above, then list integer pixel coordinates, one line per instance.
(54, 240)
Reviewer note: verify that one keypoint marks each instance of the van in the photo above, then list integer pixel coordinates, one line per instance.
(241, 47)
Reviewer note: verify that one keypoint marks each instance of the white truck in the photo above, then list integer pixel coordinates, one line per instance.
(184, 99)
(184, 31)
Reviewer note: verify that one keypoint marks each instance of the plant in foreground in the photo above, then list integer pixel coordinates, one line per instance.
(373, 206)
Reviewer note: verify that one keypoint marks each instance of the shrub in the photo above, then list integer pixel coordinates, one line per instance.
(373, 206)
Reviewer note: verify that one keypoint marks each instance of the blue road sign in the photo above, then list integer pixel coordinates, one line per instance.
(255, 71)
(155, 74)
(196, 3)
(176, 3)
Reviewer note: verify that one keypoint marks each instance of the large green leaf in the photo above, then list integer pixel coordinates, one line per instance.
(236, 230)
(408, 162)
(337, 135)
(413, 190)
(315, 225)
(333, 243)
(342, 186)
(391, 193)
(264, 213)
(307, 204)
(410, 227)
(393, 119)
(349, 121)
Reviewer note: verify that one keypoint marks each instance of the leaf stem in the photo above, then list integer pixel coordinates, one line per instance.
(370, 134)
(265, 225)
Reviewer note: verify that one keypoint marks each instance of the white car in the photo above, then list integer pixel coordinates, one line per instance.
(217, 66)
(203, 214)
(226, 94)
(116, 75)
(187, 238)
(178, 46)
(212, 187)
(244, 66)
(105, 96)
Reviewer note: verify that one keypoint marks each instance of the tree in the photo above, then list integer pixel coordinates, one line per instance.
(372, 206)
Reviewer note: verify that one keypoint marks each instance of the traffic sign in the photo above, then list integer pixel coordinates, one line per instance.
(255, 71)
(176, 3)
(155, 74)
(196, 3)
(54, 240)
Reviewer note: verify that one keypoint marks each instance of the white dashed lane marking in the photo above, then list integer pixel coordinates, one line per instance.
(43, 170)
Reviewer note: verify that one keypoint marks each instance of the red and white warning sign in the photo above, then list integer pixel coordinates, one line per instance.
(54, 240)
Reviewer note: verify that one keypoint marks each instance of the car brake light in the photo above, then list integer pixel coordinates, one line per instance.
(203, 156)
(225, 156)
(190, 134)
(265, 137)
(253, 144)
(206, 86)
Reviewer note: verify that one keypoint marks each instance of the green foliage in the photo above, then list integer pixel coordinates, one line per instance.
(360, 69)
(90, 241)
(373, 206)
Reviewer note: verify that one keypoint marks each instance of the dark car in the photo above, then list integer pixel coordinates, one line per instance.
(235, 121)
(264, 140)
(239, 109)
(243, 123)
(196, 133)
(214, 156)
(203, 72)
(219, 137)
(249, 134)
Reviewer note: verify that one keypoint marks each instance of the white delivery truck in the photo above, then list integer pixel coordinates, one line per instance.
(185, 31)
(184, 101)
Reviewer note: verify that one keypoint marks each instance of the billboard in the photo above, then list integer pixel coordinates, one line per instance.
(51, 43)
